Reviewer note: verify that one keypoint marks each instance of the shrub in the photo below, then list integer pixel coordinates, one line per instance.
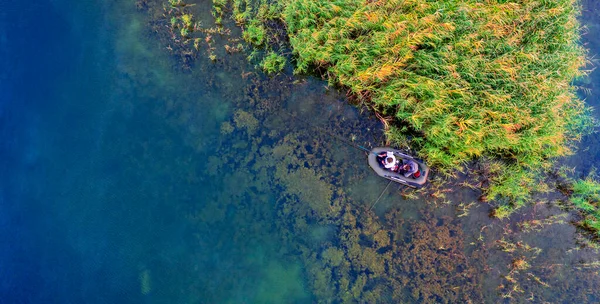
(273, 63)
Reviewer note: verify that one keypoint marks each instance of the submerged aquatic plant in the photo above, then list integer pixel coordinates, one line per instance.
(179, 3)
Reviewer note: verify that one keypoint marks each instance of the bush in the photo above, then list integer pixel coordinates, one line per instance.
(273, 63)
(255, 33)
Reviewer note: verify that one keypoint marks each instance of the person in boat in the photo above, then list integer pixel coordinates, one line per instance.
(410, 168)
(388, 160)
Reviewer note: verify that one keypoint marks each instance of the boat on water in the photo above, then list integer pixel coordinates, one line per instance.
(395, 172)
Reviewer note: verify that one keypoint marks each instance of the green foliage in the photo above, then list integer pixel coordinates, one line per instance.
(502, 212)
(186, 20)
(178, 4)
(255, 33)
(512, 182)
(183, 21)
(218, 8)
(585, 197)
(257, 10)
(588, 189)
(593, 224)
(184, 32)
(273, 63)
(175, 3)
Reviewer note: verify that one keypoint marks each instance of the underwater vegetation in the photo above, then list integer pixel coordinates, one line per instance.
(366, 261)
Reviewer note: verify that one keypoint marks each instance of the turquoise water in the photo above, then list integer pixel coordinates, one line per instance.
(127, 179)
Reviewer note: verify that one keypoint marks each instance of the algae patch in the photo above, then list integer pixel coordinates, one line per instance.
(309, 188)
(245, 120)
(145, 282)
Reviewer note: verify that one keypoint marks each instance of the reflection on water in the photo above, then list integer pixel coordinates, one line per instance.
(132, 180)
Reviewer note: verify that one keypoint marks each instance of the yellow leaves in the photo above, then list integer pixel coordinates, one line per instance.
(508, 65)
(364, 76)
(472, 151)
(464, 124)
(495, 98)
(400, 29)
(428, 20)
(452, 69)
(447, 26)
(315, 35)
(335, 8)
(372, 17)
(515, 37)
(384, 72)
(477, 46)
(554, 11)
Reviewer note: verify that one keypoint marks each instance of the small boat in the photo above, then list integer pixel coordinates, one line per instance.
(414, 182)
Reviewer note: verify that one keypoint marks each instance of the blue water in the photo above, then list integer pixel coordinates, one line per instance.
(90, 175)
(59, 227)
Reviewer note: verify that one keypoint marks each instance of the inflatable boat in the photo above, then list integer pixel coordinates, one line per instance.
(416, 180)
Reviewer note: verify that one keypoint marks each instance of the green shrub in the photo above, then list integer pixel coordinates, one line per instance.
(585, 198)
(255, 33)
(273, 63)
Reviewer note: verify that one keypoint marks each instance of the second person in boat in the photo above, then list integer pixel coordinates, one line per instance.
(409, 168)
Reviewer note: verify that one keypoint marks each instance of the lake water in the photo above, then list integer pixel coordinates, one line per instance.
(126, 178)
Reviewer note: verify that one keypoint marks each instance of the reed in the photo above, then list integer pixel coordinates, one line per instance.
(585, 197)
(273, 63)
(255, 33)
